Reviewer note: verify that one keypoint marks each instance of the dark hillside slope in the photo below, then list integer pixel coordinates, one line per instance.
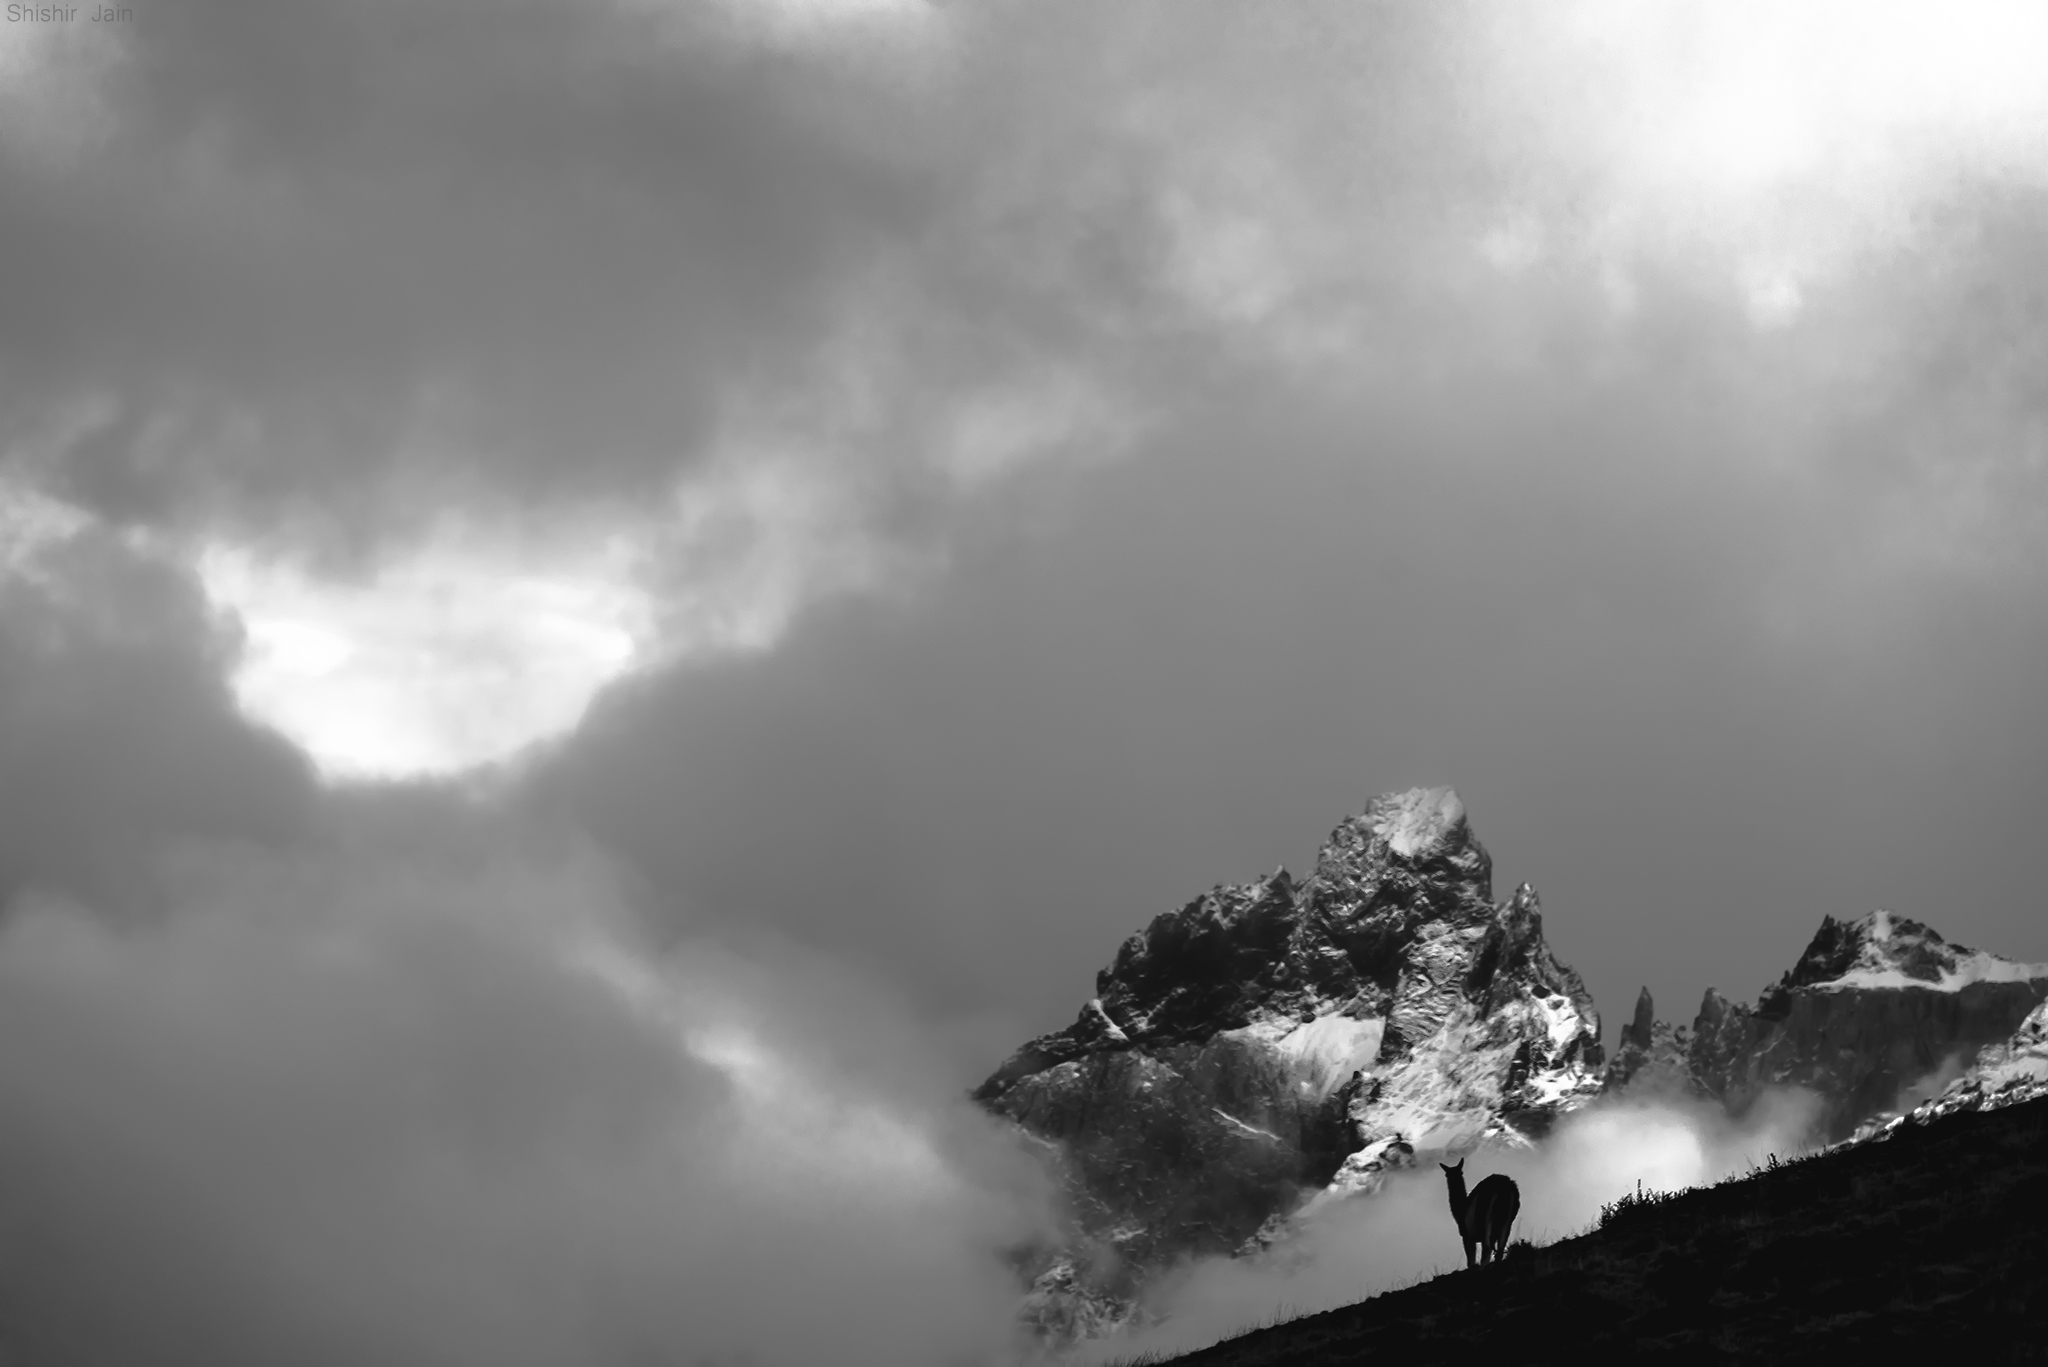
(1935, 1238)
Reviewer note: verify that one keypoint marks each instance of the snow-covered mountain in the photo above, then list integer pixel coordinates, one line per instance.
(1872, 1007)
(1276, 1041)
(1276, 1046)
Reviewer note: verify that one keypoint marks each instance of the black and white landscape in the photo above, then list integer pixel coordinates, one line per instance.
(630, 631)
(1258, 1064)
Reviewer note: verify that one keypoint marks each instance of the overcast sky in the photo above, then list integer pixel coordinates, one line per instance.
(918, 489)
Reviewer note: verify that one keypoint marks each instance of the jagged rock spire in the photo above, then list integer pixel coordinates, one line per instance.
(1249, 1044)
(1870, 1007)
(1637, 1031)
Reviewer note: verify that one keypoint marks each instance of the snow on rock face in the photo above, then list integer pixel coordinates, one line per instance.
(2021, 1059)
(1328, 1050)
(1417, 820)
(1871, 1007)
(1888, 950)
(1064, 1305)
(2004, 1074)
(1362, 1174)
(1271, 1040)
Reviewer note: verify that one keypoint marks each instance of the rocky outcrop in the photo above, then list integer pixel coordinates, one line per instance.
(1067, 1304)
(1278, 1046)
(2013, 1064)
(1872, 1008)
(1651, 1057)
(2004, 1074)
(1276, 1040)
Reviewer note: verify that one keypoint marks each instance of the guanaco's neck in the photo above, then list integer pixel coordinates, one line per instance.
(1456, 1182)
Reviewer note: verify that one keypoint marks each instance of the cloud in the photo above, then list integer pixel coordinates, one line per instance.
(306, 1073)
(1687, 657)
(1404, 1233)
(777, 297)
(518, 242)
(453, 656)
(532, 260)
(416, 1097)
(117, 735)
(455, 291)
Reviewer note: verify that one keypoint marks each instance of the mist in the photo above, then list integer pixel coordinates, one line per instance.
(355, 1103)
(1403, 1233)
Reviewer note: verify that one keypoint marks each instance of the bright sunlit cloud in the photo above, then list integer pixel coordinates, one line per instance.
(1803, 135)
(449, 657)
(467, 648)
(48, 102)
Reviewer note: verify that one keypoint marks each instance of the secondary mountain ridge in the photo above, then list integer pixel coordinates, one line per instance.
(1872, 1008)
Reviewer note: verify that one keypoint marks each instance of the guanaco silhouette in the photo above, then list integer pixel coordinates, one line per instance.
(1485, 1217)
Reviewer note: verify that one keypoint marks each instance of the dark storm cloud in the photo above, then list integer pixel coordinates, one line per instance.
(359, 1103)
(311, 251)
(118, 737)
(367, 263)
(1668, 626)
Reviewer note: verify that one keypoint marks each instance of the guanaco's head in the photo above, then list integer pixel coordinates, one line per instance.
(1458, 1166)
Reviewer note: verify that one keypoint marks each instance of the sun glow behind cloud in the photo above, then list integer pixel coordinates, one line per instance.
(454, 655)
(465, 648)
(1778, 146)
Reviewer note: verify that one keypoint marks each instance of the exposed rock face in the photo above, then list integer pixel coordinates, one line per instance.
(1651, 1057)
(2003, 1074)
(1271, 1040)
(1277, 1046)
(1872, 1007)
(2019, 1062)
(1065, 1306)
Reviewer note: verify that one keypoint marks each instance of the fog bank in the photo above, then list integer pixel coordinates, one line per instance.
(1405, 1233)
(357, 1104)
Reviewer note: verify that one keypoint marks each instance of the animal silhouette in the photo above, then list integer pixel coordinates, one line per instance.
(1484, 1217)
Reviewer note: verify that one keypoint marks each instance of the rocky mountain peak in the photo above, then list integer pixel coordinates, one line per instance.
(1275, 1040)
(1637, 1031)
(1871, 1008)
(1886, 950)
(1417, 823)
(1209, 966)
(1271, 1048)
(1404, 848)
(1522, 954)
(1880, 943)
(1651, 1056)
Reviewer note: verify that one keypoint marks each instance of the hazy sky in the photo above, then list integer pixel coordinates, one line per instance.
(918, 489)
